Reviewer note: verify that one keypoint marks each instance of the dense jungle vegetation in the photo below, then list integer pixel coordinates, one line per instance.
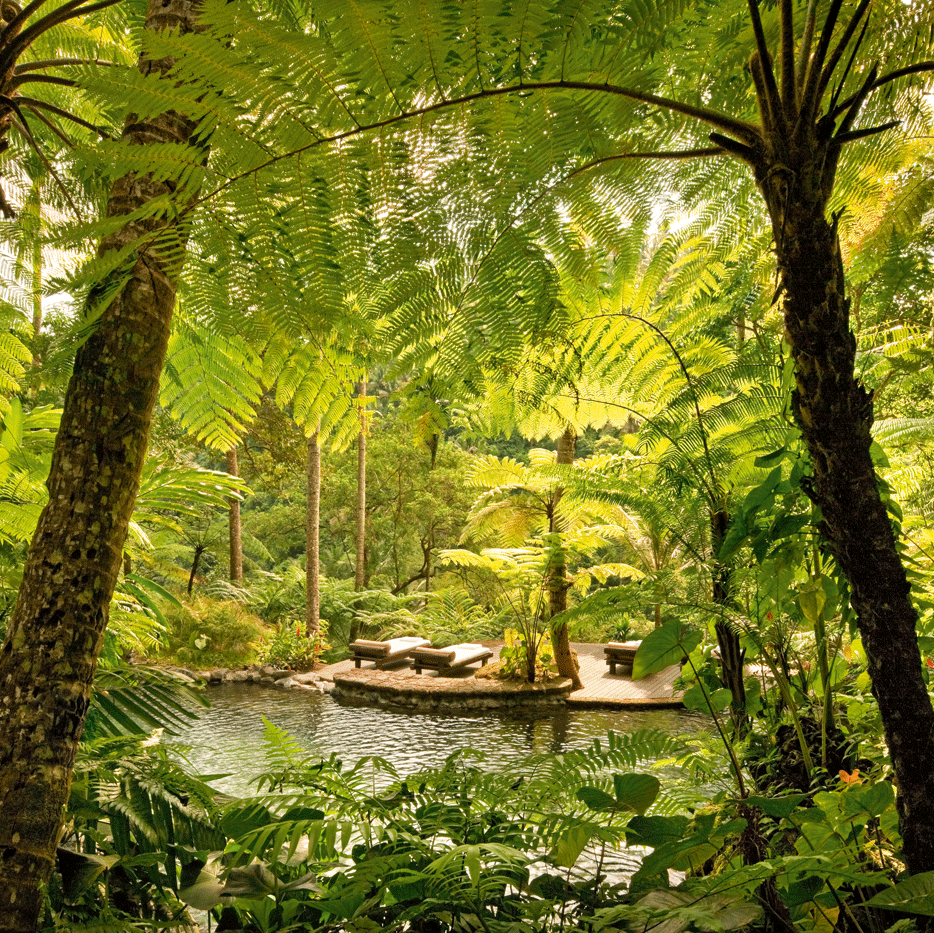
(562, 321)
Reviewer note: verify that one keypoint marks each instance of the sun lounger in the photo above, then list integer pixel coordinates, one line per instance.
(383, 653)
(622, 654)
(445, 660)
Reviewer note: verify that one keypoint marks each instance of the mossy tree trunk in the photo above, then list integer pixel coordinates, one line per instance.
(313, 539)
(732, 654)
(558, 583)
(48, 660)
(360, 578)
(234, 524)
(835, 414)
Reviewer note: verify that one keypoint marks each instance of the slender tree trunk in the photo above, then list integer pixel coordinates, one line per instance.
(313, 540)
(195, 564)
(236, 532)
(834, 413)
(557, 580)
(732, 654)
(360, 578)
(57, 629)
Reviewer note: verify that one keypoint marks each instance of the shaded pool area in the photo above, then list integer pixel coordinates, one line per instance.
(228, 738)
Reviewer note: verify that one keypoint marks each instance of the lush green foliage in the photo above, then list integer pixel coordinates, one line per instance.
(462, 214)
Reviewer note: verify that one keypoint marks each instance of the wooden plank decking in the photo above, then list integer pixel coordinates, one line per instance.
(600, 688)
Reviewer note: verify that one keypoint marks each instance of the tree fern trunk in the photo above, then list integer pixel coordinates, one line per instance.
(834, 413)
(313, 539)
(360, 568)
(557, 579)
(732, 655)
(235, 528)
(55, 635)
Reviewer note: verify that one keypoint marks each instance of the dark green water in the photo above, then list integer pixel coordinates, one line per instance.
(228, 738)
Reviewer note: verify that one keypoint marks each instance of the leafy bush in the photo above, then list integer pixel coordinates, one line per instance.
(206, 633)
(515, 656)
(287, 646)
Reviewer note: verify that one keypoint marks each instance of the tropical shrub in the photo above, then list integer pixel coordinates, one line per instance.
(516, 652)
(287, 645)
(206, 633)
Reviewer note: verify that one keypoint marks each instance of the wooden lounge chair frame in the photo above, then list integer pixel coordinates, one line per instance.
(621, 654)
(384, 653)
(444, 660)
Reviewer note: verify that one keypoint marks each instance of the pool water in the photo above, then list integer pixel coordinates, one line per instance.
(228, 737)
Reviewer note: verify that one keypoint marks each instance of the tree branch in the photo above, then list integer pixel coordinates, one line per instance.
(65, 114)
(64, 13)
(846, 71)
(917, 68)
(61, 63)
(745, 153)
(19, 80)
(55, 129)
(740, 128)
(837, 53)
(862, 134)
(809, 96)
(772, 98)
(804, 55)
(858, 100)
(24, 131)
(789, 88)
(13, 25)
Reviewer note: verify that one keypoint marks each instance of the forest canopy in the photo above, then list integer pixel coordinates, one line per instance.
(560, 317)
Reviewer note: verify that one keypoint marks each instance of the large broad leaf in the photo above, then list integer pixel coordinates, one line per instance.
(596, 799)
(635, 792)
(654, 831)
(204, 892)
(697, 698)
(569, 846)
(776, 807)
(663, 647)
(681, 910)
(914, 895)
(79, 870)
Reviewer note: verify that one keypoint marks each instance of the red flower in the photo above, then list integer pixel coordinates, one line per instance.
(930, 662)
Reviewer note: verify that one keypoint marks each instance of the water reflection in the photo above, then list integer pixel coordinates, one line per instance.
(229, 735)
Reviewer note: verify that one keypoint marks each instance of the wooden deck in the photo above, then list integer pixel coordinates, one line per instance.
(600, 688)
(603, 689)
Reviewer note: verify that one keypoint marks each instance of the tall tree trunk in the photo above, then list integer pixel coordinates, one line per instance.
(360, 568)
(732, 654)
(236, 532)
(57, 629)
(313, 539)
(557, 579)
(834, 413)
(200, 548)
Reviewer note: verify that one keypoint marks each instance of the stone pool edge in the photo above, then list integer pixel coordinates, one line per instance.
(388, 688)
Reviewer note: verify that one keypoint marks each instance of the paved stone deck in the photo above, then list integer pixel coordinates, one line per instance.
(600, 689)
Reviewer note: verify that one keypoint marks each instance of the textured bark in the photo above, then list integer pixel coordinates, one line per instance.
(834, 413)
(360, 568)
(235, 528)
(360, 536)
(8, 12)
(195, 564)
(558, 583)
(732, 655)
(313, 539)
(48, 659)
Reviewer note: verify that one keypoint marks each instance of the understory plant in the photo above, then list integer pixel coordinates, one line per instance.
(817, 848)
(208, 633)
(287, 645)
